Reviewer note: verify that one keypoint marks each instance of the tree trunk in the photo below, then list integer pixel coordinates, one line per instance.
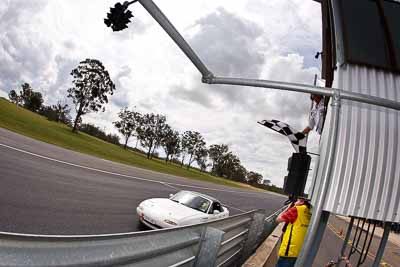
(166, 159)
(126, 141)
(149, 151)
(78, 115)
(183, 158)
(190, 159)
(152, 153)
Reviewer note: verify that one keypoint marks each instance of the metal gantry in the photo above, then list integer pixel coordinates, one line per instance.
(319, 217)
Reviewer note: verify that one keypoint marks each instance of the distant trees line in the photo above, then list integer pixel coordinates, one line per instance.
(152, 131)
(91, 87)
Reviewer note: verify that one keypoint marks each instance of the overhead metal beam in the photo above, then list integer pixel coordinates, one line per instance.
(303, 88)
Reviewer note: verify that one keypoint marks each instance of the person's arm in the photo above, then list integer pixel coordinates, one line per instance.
(311, 122)
(289, 215)
(279, 218)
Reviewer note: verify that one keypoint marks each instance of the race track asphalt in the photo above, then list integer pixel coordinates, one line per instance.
(45, 189)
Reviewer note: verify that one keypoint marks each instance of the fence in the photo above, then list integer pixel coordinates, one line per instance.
(226, 242)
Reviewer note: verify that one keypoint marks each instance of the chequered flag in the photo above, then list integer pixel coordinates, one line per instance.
(298, 139)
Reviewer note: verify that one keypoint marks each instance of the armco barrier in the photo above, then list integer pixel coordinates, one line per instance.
(226, 242)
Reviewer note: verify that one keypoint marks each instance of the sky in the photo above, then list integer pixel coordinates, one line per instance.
(41, 41)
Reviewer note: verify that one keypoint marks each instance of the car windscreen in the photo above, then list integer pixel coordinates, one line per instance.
(192, 201)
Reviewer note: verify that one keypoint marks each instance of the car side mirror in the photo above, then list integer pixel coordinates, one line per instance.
(216, 212)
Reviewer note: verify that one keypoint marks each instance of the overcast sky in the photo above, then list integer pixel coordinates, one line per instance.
(41, 41)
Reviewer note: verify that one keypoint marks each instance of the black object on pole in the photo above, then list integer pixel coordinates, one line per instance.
(295, 181)
(118, 17)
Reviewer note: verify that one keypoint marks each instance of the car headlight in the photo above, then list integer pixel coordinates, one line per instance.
(170, 222)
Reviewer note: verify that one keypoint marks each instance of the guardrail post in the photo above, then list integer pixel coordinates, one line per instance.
(209, 247)
(255, 230)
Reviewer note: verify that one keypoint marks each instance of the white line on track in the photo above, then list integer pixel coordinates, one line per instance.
(172, 185)
(168, 185)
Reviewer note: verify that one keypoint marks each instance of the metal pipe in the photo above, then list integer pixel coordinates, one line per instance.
(382, 244)
(157, 14)
(234, 237)
(183, 262)
(294, 87)
(303, 88)
(306, 258)
(229, 258)
(346, 239)
(319, 233)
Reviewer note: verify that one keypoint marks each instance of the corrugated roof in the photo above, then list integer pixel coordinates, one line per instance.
(366, 172)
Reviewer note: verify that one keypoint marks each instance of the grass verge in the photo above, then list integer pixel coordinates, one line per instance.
(30, 124)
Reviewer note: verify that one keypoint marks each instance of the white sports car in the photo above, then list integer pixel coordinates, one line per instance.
(183, 208)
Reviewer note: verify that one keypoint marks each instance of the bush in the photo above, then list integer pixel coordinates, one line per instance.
(97, 132)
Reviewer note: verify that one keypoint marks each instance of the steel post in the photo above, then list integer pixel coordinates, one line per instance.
(312, 238)
(256, 229)
(318, 237)
(157, 14)
(382, 244)
(209, 247)
(346, 239)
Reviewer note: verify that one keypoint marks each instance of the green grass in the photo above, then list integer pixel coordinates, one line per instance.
(30, 124)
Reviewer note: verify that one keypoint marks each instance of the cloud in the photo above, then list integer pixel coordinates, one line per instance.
(196, 95)
(120, 98)
(24, 55)
(228, 44)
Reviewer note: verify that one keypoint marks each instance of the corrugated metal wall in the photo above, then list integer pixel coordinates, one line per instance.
(366, 171)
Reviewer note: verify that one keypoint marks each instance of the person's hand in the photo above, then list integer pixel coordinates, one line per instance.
(306, 130)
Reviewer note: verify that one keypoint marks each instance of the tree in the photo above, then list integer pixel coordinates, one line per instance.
(254, 178)
(193, 141)
(15, 98)
(28, 98)
(62, 111)
(58, 113)
(32, 100)
(161, 130)
(267, 182)
(171, 143)
(239, 173)
(216, 153)
(200, 157)
(227, 166)
(139, 123)
(184, 146)
(151, 131)
(127, 124)
(92, 84)
(99, 133)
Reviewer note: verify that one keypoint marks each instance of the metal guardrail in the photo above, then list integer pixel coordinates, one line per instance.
(225, 242)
